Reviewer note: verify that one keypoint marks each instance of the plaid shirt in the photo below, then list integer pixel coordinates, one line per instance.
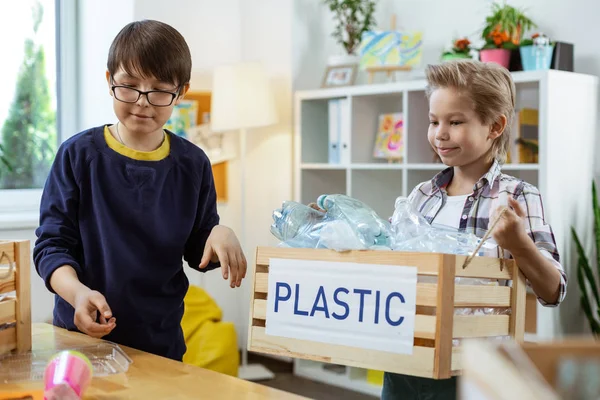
(490, 192)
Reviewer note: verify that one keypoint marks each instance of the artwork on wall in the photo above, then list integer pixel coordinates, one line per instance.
(339, 75)
(390, 48)
(389, 140)
(183, 119)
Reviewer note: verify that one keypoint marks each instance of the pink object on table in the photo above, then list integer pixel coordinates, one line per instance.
(71, 368)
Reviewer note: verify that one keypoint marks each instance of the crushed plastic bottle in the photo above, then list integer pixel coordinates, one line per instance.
(412, 232)
(345, 224)
(298, 225)
(373, 231)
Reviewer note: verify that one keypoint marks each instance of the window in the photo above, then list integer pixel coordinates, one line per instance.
(39, 36)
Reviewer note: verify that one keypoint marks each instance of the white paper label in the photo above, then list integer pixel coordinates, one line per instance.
(358, 305)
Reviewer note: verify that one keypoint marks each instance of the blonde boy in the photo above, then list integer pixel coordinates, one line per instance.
(471, 108)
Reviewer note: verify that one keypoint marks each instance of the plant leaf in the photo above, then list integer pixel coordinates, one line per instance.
(584, 267)
(596, 208)
(585, 302)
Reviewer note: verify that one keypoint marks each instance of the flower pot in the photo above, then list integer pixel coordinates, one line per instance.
(536, 57)
(343, 59)
(449, 57)
(499, 56)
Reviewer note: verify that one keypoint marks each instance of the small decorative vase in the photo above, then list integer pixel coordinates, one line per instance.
(536, 57)
(499, 56)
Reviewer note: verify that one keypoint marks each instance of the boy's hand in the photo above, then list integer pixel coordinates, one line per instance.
(510, 232)
(87, 305)
(222, 245)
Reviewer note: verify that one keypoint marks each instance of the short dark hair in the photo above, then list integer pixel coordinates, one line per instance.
(151, 48)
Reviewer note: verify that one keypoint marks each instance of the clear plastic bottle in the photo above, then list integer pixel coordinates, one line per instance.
(370, 228)
(298, 225)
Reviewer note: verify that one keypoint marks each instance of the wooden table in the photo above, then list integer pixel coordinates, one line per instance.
(150, 376)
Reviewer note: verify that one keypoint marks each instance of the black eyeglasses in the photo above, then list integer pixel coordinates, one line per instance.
(158, 98)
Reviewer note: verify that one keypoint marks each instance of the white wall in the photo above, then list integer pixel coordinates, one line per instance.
(99, 23)
(225, 32)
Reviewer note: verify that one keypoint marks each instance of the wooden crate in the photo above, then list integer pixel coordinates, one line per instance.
(435, 324)
(15, 310)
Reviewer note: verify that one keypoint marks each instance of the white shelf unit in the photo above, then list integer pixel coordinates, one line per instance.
(567, 105)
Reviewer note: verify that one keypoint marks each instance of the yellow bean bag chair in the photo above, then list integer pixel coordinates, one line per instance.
(211, 343)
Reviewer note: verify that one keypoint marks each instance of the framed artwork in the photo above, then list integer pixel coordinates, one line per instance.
(389, 141)
(339, 75)
(390, 48)
(183, 118)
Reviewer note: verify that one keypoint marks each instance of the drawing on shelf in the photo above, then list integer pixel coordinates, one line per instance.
(183, 118)
(390, 48)
(389, 141)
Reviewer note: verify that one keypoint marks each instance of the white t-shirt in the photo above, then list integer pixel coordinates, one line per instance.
(449, 215)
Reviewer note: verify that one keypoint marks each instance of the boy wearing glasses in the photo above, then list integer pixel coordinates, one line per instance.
(124, 203)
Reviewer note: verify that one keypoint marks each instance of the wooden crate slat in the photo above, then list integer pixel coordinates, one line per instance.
(23, 288)
(456, 364)
(477, 326)
(464, 326)
(8, 340)
(443, 319)
(7, 247)
(420, 363)
(424, 324)
(479, 267)
(8, 311)
(482, 296)
(427, 263)
(519, 303)
(7, 285)
(485, 267)
(465, 296)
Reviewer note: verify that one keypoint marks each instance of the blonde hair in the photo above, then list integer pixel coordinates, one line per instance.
(488, 85)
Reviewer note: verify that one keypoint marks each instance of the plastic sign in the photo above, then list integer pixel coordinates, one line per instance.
(359, 305)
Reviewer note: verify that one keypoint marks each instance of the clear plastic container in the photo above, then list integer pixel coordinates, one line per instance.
(107, 358)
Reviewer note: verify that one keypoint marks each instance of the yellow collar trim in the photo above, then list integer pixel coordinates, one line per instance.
(154, 155)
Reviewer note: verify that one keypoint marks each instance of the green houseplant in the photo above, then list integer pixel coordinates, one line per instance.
(352, 18)
(502, 33)
(590, 291)
(461, 49)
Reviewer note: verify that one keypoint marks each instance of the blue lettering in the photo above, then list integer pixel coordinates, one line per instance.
(278, 297)
(341, 303)
(361, 307)
(387, 308)
(296, 311)
(320, 295)
(377, 294)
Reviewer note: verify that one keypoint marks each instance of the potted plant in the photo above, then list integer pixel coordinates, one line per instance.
(536, 52)
(588, 285)
(353, 18)
(461, 49)
(502, 33)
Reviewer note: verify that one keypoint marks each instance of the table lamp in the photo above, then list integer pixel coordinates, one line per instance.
(242, 99)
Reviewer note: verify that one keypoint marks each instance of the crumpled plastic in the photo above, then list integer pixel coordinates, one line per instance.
(344, 224)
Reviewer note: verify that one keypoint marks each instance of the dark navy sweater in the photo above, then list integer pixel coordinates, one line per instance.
(124, 226)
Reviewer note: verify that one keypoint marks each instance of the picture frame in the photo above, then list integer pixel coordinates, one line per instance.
(339, 75)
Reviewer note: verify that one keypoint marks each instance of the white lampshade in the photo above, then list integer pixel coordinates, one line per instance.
(241, 98)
